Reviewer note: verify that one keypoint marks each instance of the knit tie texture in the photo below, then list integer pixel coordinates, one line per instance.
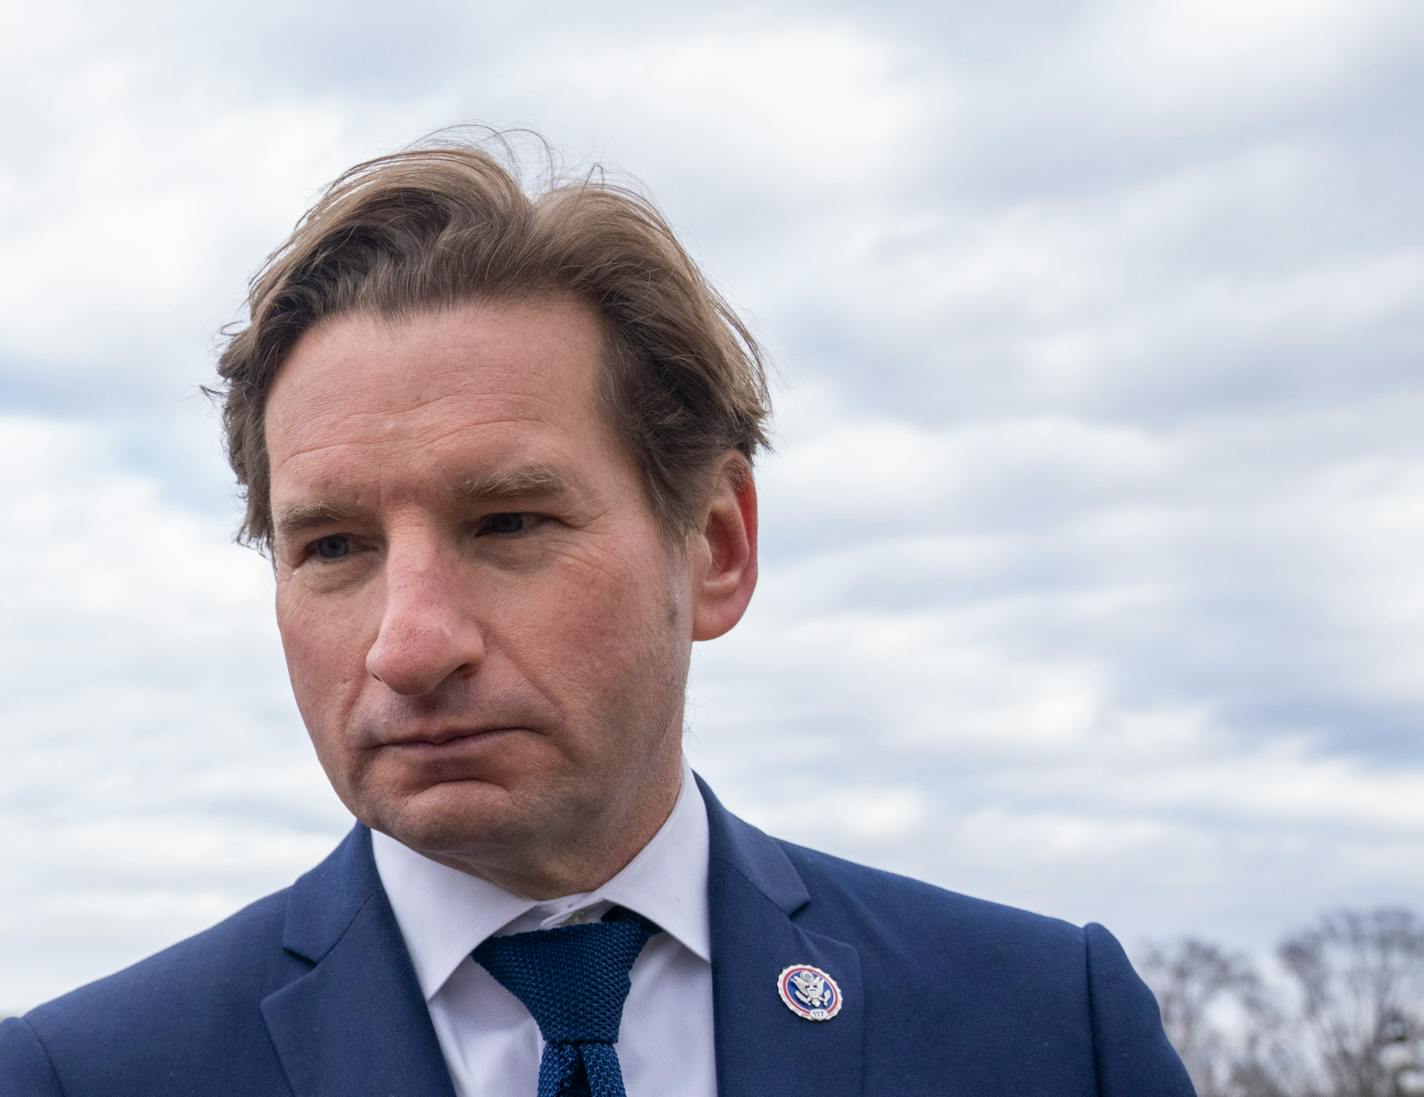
(574, 980)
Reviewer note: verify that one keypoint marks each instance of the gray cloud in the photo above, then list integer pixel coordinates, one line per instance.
(1090, 564)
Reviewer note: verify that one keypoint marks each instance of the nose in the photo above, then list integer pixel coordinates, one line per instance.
(427, 634)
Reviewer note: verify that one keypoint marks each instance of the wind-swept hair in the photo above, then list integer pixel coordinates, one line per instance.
(448, 222)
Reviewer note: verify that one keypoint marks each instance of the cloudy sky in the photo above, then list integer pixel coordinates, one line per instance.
(1093, 573)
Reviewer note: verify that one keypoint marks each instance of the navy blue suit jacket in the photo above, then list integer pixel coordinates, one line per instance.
(310, 992)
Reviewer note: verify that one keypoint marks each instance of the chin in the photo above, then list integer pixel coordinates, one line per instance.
(453, 818)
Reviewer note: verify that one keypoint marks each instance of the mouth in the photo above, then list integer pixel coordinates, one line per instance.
(447, 739)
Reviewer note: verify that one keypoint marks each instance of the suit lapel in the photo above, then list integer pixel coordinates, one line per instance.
(763, 1047)
(357, 1023)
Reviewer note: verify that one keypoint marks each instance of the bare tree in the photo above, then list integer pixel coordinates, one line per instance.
(1359, 981)
(1345, 1019)
(1202, 991)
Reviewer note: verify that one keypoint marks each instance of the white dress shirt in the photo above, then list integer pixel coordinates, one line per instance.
(490, 1042)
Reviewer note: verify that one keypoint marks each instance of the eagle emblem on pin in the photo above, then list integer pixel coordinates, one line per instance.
(809, 992)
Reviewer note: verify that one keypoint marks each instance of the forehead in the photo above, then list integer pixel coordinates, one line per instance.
(368, 411)
(370, 414)
(481, 363)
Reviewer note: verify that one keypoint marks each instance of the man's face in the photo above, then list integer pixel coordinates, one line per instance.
(487, 635)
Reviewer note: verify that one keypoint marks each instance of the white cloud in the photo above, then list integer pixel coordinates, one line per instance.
(814, 106)
(156, 772)
(1252, 54)
(1091, 571)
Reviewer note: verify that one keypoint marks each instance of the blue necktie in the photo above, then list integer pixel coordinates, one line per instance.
(574, 980)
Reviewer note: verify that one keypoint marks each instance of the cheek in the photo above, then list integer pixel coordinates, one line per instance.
(321, 648)
(615, 641)
(613, 614)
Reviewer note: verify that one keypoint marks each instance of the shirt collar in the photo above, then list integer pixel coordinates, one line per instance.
(445, 914)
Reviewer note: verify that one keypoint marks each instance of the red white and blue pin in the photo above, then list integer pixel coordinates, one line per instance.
(809, 992)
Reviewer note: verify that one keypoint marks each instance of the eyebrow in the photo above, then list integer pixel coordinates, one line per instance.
(300, 517)
(538, 480)
(522, 482)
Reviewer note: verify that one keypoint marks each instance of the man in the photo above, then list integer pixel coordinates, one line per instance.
(500, 450)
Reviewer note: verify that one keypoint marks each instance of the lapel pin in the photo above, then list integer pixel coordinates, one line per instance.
(809, 992)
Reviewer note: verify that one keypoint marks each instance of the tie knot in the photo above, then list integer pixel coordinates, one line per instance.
(572, 979)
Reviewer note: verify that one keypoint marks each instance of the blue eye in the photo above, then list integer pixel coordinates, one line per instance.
(332, 548)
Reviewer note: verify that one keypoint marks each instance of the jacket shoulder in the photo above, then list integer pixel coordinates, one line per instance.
(227, 957)
(881, 903)
(1054, 988)
(193, 1001)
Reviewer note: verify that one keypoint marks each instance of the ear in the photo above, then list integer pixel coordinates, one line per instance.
(725, 547)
